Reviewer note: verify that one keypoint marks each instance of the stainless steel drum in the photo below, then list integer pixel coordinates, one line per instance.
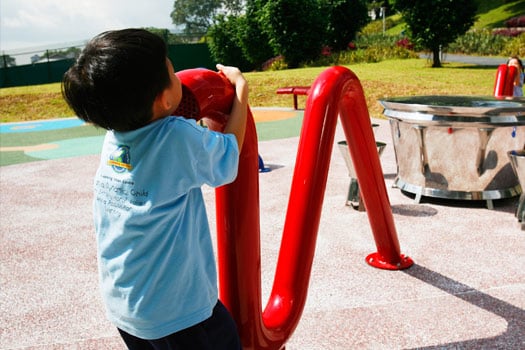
(456, 146)
(517, 160)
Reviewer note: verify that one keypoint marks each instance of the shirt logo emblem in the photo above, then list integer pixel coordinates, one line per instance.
(120, 159)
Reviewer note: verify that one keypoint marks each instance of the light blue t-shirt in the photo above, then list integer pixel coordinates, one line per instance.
(156, 261)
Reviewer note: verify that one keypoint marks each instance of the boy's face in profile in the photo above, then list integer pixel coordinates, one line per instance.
(174, 91)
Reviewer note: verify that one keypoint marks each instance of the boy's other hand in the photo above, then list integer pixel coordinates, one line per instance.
(233, 74)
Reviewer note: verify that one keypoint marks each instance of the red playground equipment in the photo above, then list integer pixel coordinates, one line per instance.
(504, 84)
(337, 91)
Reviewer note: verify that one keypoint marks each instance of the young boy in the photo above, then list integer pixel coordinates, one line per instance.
(156, 263)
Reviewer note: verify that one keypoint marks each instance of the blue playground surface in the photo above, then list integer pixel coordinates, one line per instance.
(22, 142)
(40, 125)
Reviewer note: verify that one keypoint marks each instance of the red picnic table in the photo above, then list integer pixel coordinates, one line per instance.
(295, 90)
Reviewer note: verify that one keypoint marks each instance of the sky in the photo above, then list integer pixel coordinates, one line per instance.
(36, 23)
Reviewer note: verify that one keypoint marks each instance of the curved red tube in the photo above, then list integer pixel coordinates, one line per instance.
(337, 91)
(504, 83)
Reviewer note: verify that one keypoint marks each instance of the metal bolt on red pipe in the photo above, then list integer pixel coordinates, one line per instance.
(337, 91)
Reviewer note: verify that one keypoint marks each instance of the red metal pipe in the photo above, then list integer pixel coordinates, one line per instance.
(504, 83)
(337, 91)
(499, 83)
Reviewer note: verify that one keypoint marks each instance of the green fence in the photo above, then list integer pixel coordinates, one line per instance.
(33, 74)
(183, 56)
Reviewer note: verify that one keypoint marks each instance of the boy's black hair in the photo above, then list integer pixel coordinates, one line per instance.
(116, 79)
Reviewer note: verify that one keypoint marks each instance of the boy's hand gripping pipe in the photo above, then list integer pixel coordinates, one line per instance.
(337, 91)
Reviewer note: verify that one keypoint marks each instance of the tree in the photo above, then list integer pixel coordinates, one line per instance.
(433, 24)
(234, 7)
(168, 37)
(345, 19)
(376, 6)
(295, 29)
(240, 40)
(253, 40)
(197, 16)
(224, 44)
(7, 61)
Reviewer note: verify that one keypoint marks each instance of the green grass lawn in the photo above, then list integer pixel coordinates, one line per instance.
(383, 79)
(494, 13)
(490, 14)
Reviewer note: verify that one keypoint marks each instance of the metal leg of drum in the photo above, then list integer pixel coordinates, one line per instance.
(490, 204)
(354, 197)
(419, 194)
(520, 211)
(517, 160)
(521, 214)
(420, 131)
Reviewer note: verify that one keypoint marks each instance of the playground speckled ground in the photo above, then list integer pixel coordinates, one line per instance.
(465, 291)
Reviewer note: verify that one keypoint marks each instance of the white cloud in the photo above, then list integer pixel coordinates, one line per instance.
(26, 23)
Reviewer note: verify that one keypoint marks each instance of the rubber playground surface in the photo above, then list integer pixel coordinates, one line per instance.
(466, 289)
(69, 137)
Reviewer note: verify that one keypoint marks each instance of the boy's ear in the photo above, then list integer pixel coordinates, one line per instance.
(164, 100)
(163, 104)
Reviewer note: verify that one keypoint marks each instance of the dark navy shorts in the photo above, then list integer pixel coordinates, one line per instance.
(219, 332)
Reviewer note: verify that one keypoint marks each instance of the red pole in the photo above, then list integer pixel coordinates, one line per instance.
(509, 83)
(499, 83)
(363, 150)
(337, 91)
(504, 83)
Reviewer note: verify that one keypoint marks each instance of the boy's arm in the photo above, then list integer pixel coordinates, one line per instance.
(236, 123)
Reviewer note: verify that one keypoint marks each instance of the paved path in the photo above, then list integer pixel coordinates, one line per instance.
(478, 60)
